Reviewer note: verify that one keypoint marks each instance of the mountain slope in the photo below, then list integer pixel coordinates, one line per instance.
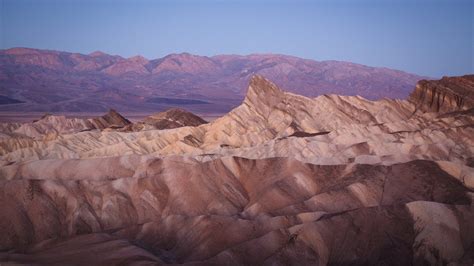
(263, 126)
(281, 179)
(50, 126)
(53, 81)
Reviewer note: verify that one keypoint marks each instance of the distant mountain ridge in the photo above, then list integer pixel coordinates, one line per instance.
(55, 81)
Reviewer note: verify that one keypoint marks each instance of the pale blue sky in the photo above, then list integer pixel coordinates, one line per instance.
(426, 37)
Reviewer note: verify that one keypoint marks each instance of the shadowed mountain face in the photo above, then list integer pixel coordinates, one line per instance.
(446, 95)
(281, 179)
(55, 81)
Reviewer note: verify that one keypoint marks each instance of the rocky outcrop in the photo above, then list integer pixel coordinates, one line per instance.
(111, 119)
(169, 119)
(358, 130)
(232, 207)
(281, 179)
(174, 118)
(52, 125)
(448, 94)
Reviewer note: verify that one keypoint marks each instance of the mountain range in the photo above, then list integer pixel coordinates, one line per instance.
(33, 80)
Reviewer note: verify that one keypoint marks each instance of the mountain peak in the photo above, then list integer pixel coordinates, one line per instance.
(262, 90)
(174, 118)
(111, 118)
(138, 58)
(185, 62)
(263, 84)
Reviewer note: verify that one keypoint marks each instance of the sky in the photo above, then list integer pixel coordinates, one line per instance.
(433, 38)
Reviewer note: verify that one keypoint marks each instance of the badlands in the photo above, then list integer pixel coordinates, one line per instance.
(281, 179)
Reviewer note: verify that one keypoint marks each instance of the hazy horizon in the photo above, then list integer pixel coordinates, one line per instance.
(429, 38)
(154, 58)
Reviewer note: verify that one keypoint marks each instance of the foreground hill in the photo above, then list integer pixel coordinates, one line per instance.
(281, 179)
(53, 81)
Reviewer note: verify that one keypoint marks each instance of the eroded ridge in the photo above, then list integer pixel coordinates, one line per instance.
(281, 179)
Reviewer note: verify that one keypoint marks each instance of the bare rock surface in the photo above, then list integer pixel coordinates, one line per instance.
(281, 179)
(171, 118)
(52, 125)
(265, 124)
(446, 95)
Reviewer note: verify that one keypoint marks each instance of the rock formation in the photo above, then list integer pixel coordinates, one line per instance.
(60, 125)
(446, 95)
(174, 118)
(281, 179)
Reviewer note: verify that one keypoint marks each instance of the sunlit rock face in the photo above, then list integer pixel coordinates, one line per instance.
(281, 179)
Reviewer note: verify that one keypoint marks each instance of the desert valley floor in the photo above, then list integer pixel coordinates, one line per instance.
(282, 179)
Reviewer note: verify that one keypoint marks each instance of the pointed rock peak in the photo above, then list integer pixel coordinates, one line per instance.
(176, 110)
(263, 91)
(181, 114)
(113, 117)
(262, 86)
(173, 118)
(169, 113)
(259, 81)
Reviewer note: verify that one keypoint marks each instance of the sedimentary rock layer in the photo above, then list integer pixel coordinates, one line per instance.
(446, 95)
(281, 179)
(238, 210)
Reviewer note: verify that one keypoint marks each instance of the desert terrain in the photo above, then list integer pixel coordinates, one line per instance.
(281, 179)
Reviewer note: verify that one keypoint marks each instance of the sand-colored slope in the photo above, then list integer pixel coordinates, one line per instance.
(324, 130)
(50, 126)
(182, 210)
(281, 179)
